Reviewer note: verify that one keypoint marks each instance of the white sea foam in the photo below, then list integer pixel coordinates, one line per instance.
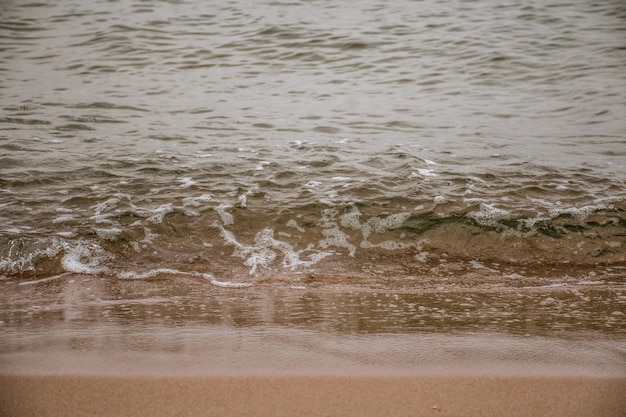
(266, 249)
(131, 275)
(488, 215)
(383, 224)
(64, 218)
(150, 274)
(351, 219)
(230, 284)
(581, 213)
(333, 236)
(22, 257)
(43, 280)
(148, 236)
(294, 224)
(85, 258)
(101, 208)
(260, 166)
(243, 199)
(197, 201)
(226, 217)
(421, 257)
(422, 172)
(159, 213)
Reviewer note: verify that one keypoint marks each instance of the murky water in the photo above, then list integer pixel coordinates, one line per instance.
(182, 326)
(371, 170)
(275, 137)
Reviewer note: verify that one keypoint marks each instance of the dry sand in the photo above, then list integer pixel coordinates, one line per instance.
(273, 395)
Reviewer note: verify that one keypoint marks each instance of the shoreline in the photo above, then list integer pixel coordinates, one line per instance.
(48, 395)
(89, 346)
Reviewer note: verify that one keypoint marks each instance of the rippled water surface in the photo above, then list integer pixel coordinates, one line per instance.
(243, 140)
(410, 186)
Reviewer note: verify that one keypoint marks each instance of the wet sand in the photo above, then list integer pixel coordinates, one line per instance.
(81, 347)
(272, 395)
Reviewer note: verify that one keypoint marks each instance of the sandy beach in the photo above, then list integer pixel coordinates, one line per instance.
(271, 395)
(153, 357)
(312, 208)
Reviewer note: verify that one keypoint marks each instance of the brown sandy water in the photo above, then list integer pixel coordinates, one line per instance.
(190, 325)
(414, 139)
(427, 189)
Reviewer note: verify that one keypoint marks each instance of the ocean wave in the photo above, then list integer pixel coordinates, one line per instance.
(245, 244)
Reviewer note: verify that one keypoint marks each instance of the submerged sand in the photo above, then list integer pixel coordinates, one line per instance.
(85, 346)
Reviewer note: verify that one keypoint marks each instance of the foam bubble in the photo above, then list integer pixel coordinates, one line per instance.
(64, 218)
(294, 224)
(148, 236)
(197, 201)
(227, 218)
(387, 244)
(254, 256)
(149, 274)
(84, 258)
(243, 199)
(488, 215)
(581, 213)
(168, 271)
(351, 220)
(159, 213)
(335, 237)
(383, 224)
(265, 251)
(230, 284)
(105, 206)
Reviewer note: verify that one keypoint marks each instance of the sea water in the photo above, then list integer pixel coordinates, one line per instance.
(417, 146)
(273, 137)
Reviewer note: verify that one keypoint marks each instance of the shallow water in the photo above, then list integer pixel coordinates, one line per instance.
(390, 145)
(181, 326)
